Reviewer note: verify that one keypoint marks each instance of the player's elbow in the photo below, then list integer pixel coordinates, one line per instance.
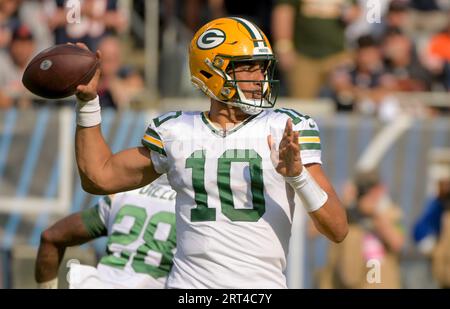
(93, 185)
(340, 226)
(331, 222)
(91, 188)
(339, 233)
(49, 237)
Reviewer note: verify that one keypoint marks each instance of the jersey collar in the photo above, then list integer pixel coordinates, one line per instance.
(219, 131)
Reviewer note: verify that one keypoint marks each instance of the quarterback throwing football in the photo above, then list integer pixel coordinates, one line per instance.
(236, 168)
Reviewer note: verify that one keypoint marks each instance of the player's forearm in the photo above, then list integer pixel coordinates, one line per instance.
(48, 260)
(92, 153)
(331, 219)
(320, 201)
(67, 232)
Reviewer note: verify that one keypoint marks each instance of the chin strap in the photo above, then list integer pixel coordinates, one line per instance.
(250, 110)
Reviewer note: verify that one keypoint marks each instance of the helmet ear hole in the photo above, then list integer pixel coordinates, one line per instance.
(206, 74)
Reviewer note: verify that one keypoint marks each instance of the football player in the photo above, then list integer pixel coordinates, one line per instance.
(140, 226)
(236, 167)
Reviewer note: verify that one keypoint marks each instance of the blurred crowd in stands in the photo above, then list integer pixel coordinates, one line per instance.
(377, 236)
(27, 27)
(356, 53)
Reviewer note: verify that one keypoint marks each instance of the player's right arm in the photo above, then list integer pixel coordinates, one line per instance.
(101, 171)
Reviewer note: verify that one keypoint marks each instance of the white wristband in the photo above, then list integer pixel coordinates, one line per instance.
(88, 113)
(52, 284)
(311, 194)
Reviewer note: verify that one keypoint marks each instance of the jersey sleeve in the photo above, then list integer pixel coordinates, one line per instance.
(153, 141)
(309, 140)
(309, 134)
(95, 219)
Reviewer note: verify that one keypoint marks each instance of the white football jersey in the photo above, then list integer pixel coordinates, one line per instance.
(141, 236)
(234, 211)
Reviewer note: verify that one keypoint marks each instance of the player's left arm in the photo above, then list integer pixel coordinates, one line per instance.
(311, 184)
(69, 231)
(330, 219)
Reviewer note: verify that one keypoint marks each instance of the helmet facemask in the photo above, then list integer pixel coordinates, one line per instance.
(250, 102)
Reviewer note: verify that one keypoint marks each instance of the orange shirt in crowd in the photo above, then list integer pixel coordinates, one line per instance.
(440, 46)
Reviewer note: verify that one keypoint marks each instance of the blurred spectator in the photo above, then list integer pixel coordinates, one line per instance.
(179, 19)
(437, 56)
(402, 62)
(375, 235)
(424, 5)
(98, 19)
(33, 14)
(8, 20)
(427, 16)
(29, 12)
(137, 17)
(260, 14)
(309, 41)
(119, 85)
(364, 87)
(432, 230)
(194, 13)
(367, 20)
(191, 14)
(396, 17)
(13, 63)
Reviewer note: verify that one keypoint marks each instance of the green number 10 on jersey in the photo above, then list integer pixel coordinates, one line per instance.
(202, 212)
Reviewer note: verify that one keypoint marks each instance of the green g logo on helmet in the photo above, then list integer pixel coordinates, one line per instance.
(211, 39)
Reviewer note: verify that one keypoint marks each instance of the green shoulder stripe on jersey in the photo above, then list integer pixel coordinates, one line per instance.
(152, 146)
(153, 141)
(163, 118)
(308, 133)
(94, 225)
(153, 134)
(296, 117)
(310, 146)
(297, 113)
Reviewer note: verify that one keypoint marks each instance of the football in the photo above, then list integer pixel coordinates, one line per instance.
(56, 72)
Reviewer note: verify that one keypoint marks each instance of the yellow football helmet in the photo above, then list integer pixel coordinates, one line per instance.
(214, 52)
